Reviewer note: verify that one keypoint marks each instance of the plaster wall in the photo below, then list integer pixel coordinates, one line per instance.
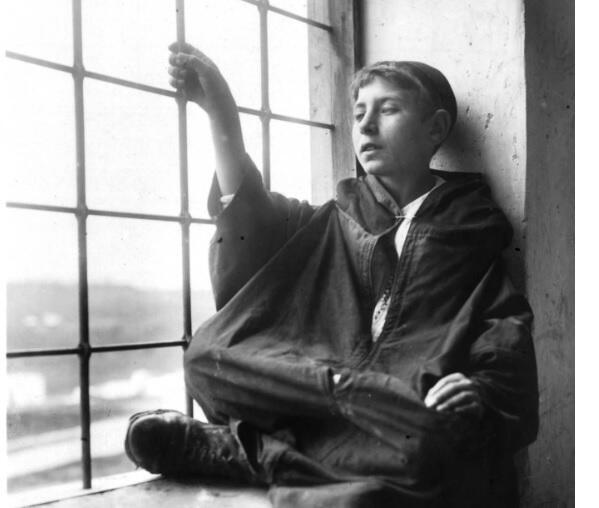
(550, 243)
(511, 64)
(479, 46)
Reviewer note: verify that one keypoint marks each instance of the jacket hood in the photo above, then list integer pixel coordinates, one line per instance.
(462, 205)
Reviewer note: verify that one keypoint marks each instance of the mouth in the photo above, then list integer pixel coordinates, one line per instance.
(369, 147)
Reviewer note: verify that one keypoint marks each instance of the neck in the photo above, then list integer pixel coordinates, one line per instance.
(405, 190)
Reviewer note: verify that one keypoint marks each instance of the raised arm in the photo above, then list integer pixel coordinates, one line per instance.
(199, 79)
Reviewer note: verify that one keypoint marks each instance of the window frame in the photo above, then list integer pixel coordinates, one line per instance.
(343, 15)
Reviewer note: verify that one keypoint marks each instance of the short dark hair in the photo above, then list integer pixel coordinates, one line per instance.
(430, 83)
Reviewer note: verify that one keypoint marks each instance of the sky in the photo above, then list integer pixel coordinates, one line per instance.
(131, 137)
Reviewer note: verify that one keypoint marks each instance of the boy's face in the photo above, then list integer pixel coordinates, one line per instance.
(391, 132)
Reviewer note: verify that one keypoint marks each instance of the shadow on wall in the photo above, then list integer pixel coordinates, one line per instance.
(466, 151)
(462, 151)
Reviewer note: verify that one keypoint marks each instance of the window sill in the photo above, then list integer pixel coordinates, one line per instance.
(144, 490)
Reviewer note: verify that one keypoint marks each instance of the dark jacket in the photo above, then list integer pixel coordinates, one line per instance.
(290, 347)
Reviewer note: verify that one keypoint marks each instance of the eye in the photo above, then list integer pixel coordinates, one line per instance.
(358, 115)
(389, 110)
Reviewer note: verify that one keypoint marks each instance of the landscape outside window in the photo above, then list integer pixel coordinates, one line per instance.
(131, 132)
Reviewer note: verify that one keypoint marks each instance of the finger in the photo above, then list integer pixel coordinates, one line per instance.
(203, 66)
(188, 49)
(177, 72)
(445, 381)
(178, 59)
(448, 390)
(473, 408)
(450, 378)
(178, 47)
(458, 400)
(177, 83)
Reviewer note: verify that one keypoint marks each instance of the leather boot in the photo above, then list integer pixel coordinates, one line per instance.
(172, 444)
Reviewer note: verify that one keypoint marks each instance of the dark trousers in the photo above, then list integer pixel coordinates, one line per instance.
(329, 437)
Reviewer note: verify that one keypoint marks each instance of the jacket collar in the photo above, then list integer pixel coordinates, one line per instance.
(382, 195)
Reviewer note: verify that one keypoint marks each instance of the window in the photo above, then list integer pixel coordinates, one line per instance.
(108, 178)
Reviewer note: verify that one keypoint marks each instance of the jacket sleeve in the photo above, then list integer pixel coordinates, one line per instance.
(503, 365)
(249, 231)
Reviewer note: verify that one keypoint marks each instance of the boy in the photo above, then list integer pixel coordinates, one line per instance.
(369, 352)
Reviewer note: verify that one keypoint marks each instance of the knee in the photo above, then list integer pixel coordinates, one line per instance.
(201, 361)
(203, 380)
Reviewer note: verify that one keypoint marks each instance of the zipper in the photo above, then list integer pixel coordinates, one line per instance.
(359, 359)
(399, 283)
(397, 290)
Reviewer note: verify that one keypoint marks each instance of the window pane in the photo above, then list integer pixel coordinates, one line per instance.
(129, 39)
(318, 10)
(290, 175)
(198, 412)
(40, 149)
(202, 300)
(252, 138)
(288, 61)
(131, 149)
(306, 175)
(44, 446)
(41, 271)
(228, 32)
(200, 160)
(40, 29)
(121, 384)
(300, 69)
(201, 155)
(135, 280)
(201, 297)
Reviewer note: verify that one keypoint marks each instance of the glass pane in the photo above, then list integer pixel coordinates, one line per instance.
(201, 155)
(252, 138)
(288, 61)
(40, 29)
(202, 301)
(300, 69)
(129, 39)
(308, 174)
(121, 384)
(228, 32)
(198, 412)
(132, 150)
(40, 144)
(200, 160)
(290, 176)
(41, 272)
(318, 10)
(135, 280)
(44, 446)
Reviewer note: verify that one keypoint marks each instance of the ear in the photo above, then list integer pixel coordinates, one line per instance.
(440, 124)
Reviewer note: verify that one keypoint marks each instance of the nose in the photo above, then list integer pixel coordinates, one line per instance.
(368, 124)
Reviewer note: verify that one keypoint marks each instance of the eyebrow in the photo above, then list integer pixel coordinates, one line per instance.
(384, 98)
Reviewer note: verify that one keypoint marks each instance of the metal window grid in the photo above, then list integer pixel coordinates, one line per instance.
(84, 350)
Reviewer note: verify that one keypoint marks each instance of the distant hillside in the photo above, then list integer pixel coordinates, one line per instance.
(45, 314)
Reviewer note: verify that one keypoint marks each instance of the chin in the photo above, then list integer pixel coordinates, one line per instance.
(372, 168)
